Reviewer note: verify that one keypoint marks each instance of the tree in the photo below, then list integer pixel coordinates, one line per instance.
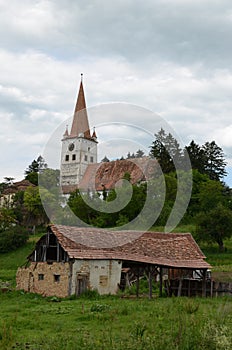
(36, 167)
(214, 161)
(167, 151)
(210, 194)
(12, 235)
(105, 160)
(12, 238)
(8, 181)
(215, 225)
(7, 218)
(130, 156)
(139, 154)
(199, 180)
(80, 208)
(50, 179)
(36, 214)
(207, 159)
(196, 155)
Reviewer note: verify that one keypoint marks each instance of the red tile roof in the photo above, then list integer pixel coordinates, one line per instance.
(18, 186)
(106, 174)
(166, 249)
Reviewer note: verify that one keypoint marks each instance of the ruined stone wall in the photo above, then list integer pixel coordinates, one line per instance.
(46, 279)
(103, 275)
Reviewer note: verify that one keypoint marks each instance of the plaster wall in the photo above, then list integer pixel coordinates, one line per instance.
(84, 152)
(103, 275)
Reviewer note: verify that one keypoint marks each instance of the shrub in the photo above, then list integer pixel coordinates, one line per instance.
(12, 238)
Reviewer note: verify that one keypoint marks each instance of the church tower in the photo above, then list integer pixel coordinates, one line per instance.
(79, 147)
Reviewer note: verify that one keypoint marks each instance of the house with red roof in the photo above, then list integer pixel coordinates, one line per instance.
(71, 260)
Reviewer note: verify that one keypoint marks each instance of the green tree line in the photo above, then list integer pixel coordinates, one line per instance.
(209, 208)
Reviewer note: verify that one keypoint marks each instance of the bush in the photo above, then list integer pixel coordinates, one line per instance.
(12, 238)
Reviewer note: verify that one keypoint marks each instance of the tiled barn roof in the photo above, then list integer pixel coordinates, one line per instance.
(165, 249)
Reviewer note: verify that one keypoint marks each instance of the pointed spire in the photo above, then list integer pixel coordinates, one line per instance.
(80, 124)
(94, 135)
(66, 132)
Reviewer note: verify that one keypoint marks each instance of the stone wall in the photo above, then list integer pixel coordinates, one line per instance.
(63, 279)
(46, 279)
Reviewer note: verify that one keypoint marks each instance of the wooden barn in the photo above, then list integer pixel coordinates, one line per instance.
(70, 260)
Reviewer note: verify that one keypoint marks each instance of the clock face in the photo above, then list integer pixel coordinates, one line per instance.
(71, 147)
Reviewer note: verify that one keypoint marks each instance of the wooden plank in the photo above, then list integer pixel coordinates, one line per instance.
(161, 282)
(189, 289)
(150, 282)
(204, 283)
(180, 287)
(137, 283)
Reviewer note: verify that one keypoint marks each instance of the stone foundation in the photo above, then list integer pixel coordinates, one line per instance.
(44, 278)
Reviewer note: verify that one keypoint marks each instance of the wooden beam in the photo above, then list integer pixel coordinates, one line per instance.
(204, 283)
(180, 287)
(150, 281)
(137, 283)
(58, 251)
(189, 289)
(161, 282)
(211, 288)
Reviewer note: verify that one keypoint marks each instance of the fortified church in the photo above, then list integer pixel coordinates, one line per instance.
(72, 260)
(79, 167)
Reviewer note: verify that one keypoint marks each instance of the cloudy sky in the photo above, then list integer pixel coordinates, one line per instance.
(172, 57)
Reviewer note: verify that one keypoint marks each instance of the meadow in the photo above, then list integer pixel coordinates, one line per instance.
(30, 321)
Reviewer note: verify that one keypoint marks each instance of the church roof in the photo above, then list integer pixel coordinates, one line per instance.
(80, 124)
(105, 175)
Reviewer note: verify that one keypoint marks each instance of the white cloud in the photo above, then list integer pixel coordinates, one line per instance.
(170, 56)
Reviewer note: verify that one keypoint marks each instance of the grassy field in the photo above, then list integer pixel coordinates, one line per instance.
(29, 321)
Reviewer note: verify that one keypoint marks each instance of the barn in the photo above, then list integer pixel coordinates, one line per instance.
(70, 260)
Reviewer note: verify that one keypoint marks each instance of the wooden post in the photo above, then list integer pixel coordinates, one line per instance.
(180, 287)
(150, 282)
(204, 284)
(58, 252)
(211, 288)
(137, 283)
(189, 281)
(161, 282)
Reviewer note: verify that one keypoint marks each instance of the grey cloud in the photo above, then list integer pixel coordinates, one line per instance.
(170, 56)
(183, 31)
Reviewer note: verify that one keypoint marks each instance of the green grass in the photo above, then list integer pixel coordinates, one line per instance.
(9, 262)
(29, 321)
(221, 262)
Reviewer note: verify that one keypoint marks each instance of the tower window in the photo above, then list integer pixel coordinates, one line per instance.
(91, 159)
(88, 149)
(67, 158)
(86, 158)
(73, 157)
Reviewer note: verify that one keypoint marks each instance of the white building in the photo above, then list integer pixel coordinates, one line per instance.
(79, 147)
